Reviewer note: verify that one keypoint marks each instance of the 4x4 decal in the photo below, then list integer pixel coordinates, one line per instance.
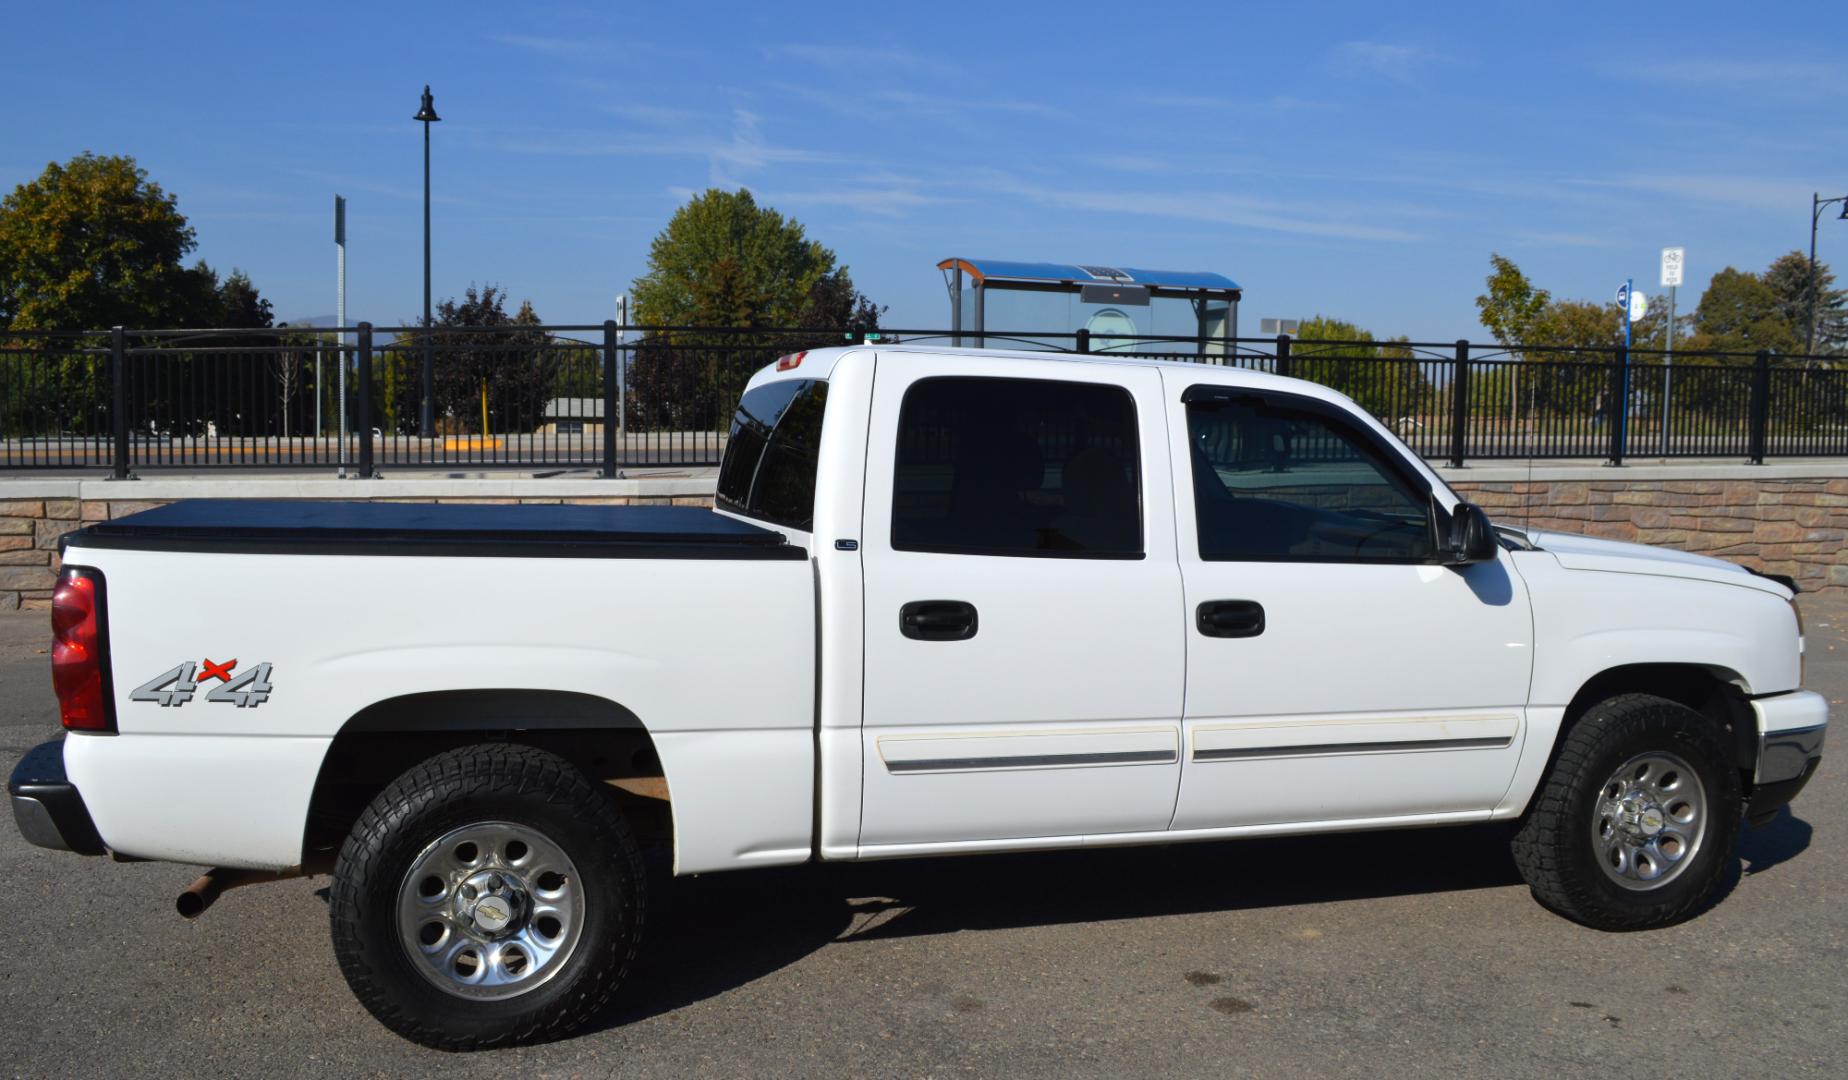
(176, 687)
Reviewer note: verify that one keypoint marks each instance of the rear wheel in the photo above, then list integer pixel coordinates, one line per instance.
(1638, 820)
(490, 895)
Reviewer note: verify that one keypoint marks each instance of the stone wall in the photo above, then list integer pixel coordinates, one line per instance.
(1797, 527)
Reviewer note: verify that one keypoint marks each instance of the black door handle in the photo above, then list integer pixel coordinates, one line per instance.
(1230, 618)
(937, 620)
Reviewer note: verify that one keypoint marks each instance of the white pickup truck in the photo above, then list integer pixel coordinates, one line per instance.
(950, 601)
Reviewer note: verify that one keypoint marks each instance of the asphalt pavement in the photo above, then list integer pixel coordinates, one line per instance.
(1376, 955)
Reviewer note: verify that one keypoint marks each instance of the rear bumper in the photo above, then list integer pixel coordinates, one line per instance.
(1791, 728)
(46, 805)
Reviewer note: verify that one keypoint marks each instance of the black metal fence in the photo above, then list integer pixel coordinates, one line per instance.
(609, 397)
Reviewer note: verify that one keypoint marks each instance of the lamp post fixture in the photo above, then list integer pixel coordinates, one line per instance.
(1817, 202)
(426, 114)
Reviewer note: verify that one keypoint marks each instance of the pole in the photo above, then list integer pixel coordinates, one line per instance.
(956, 279)
(622, 373)
(1668, 366)
(1619, 388)
(1459, 406)
(1620, 433)
(364, 374)
(1760, 416)
(1809, 334)
(340, 320)
(612, 360)
(118, 377)
(427, 417)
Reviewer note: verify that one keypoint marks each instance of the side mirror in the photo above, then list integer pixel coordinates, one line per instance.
(1472, 537)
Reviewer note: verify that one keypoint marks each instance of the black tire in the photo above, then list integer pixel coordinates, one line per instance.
(531, 789)
(1555, 847)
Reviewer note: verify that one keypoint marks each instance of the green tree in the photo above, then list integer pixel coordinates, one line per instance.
(94, 243)
(176, 387)
(1789, 278)
(1741, 312)
(237, 303)
(505, 357)
(1344, 357)
(725, 261)
(1509, 309)
(1512, 304)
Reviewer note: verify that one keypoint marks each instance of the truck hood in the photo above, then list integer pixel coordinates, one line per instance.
(1615, 556)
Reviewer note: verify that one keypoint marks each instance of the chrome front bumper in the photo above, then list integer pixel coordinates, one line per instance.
(1791, 728)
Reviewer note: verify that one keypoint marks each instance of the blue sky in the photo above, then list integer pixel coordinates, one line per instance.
(1358, 160)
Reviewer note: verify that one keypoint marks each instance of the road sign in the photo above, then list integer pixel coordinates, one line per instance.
(1623, 295)
(1639, 306)
(1672, 261)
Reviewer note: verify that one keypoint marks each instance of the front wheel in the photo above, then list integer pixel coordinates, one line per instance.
(490, 895)
(1638, 820)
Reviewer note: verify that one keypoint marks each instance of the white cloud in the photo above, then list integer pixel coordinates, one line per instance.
(930, 105)
(1400, 63)
(570, 48)
(1747, 192)
(1274, 103)
(859, 58)
(1784, 74)
(657, 115)
(1210, 207)
(886, 201)
(744, 148)
(1546, 238)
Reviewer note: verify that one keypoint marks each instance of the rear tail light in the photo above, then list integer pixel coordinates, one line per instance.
(79, 663)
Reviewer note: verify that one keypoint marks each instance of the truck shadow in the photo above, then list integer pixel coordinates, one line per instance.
(721, 931)
(1778, 841)
(717, 932)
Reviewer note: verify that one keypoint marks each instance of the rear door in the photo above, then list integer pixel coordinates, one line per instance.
(1023, 646)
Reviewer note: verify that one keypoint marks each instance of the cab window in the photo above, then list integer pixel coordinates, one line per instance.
(1018, 467)
(1291, 480)
(774, 453)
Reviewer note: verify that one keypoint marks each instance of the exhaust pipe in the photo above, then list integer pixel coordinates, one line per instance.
(200, 894)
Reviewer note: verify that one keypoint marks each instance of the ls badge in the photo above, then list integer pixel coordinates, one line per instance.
(176, 687)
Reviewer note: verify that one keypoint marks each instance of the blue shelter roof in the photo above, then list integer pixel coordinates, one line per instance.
(1000, 270)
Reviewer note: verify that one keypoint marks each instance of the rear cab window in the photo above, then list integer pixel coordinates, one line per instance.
(773, 454)
(1017, 467)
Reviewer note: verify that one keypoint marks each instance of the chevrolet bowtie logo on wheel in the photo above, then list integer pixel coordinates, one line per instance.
(177, 685)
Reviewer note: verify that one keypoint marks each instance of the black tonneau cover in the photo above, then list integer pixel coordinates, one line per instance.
(327, 527)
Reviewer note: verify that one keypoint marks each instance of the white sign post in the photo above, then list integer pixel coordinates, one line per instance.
(1674, 261)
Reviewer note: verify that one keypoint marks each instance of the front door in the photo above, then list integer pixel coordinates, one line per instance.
(1335, 672)
(1024, 658)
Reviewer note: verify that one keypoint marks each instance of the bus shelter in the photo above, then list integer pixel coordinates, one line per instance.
(1117, 305)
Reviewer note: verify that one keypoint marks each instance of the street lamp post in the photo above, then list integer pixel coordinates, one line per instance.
(427, 414)
(1817, 202)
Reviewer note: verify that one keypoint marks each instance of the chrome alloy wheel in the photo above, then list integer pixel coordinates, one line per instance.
(1649, 822)
(490, 910)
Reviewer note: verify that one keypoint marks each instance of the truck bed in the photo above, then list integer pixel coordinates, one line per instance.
(327, 527)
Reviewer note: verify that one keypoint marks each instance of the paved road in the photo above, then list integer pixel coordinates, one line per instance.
(1381, 955)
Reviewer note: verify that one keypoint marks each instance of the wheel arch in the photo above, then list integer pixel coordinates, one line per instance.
(603, 737)
(1718, 693)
